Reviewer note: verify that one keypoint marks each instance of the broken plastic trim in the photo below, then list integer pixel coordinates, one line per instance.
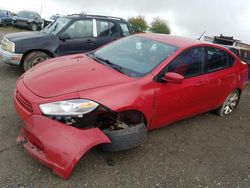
(56, 145)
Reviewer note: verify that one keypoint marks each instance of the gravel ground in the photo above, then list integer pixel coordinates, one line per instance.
(203, 151)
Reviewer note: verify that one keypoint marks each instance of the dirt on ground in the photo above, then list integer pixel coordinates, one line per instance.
(203, 151)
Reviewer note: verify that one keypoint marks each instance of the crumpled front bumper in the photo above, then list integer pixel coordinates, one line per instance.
(56, 145)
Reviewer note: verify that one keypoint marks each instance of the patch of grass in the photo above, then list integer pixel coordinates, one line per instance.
(10, 29)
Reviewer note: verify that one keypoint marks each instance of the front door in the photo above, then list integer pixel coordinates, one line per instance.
(177, 101)
(78, 38)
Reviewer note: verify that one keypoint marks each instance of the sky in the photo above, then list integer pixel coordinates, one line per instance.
(189, 18)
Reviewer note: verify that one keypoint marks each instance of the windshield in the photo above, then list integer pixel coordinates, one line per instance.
(54, 17)
(136, 56)
(2, 13)
(26, 14)
(56, 26)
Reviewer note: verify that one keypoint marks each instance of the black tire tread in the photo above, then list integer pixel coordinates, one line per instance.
(125, 139)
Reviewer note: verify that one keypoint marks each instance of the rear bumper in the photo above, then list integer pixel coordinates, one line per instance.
(56, 145)
(10, 58)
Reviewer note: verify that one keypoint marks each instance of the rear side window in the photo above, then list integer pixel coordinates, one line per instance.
(125, 29)
(216, 59)
(113, 29)
(105, 28)
(231, 60)
(189, 63)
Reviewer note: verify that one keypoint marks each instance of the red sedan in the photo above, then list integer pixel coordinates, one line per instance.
(112, 96)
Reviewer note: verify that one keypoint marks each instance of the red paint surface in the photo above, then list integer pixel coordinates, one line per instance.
(56, 145)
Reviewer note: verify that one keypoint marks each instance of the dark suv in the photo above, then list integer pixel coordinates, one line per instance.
(67, 35)
(28, 19)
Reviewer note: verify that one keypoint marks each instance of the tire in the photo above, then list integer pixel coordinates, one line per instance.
(33, 59)
(3, 23)
(33, 27)
(125, 139)
(229, 104)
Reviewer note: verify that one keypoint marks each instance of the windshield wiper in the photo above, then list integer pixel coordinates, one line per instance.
(108, 62)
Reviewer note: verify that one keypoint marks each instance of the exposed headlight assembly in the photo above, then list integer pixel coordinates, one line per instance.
(76, 107)
(7, 45)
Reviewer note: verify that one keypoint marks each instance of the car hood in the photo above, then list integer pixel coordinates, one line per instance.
(21, 18)
(70, 74)
(15, 37)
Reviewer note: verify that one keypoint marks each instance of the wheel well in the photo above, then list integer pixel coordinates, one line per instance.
(132, 115)
(30, 51)
(239, 90)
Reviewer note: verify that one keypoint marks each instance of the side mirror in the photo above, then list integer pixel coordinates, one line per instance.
(64, 36)
(173, 77)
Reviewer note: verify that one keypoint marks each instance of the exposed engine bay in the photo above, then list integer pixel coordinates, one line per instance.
(102, 118)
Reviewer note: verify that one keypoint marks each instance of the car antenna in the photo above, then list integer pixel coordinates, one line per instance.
(201, 35)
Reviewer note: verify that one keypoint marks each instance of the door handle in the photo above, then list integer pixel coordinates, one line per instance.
(201, 83)
(89, 41)
(230, 75)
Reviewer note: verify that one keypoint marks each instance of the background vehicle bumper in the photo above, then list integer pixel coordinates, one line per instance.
(10, 58)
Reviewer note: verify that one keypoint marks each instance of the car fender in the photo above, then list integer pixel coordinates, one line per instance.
(57, 145)
(127, 96)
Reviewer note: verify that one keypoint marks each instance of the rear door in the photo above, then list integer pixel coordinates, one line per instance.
(221, 76)
(80, 37)
(106, 31)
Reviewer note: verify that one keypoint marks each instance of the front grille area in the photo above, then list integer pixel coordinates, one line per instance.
(24, 102)
(21, 23)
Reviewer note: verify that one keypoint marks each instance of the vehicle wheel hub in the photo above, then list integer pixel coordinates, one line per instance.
(231, 103)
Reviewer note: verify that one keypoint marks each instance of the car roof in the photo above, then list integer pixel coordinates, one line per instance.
(177, 41)
(95, 16)
(29, 11)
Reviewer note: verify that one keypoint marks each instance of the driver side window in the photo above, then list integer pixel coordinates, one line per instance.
(189, 63)
(80, 29)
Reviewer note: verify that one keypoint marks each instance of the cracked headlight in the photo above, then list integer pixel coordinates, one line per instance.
(68, 107)
(7, 45)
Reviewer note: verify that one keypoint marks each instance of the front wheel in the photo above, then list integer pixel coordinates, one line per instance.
(124, 139)
(33, 27)
(33, 59)
(229, 104)
(3, 23)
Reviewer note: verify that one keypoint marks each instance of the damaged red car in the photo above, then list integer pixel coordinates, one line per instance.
(112, 96)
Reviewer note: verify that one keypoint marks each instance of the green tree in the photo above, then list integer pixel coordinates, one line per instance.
(160, 25)
(139, 24)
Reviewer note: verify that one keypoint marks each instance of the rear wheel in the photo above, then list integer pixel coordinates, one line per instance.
(229, 104)
(33, 59)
